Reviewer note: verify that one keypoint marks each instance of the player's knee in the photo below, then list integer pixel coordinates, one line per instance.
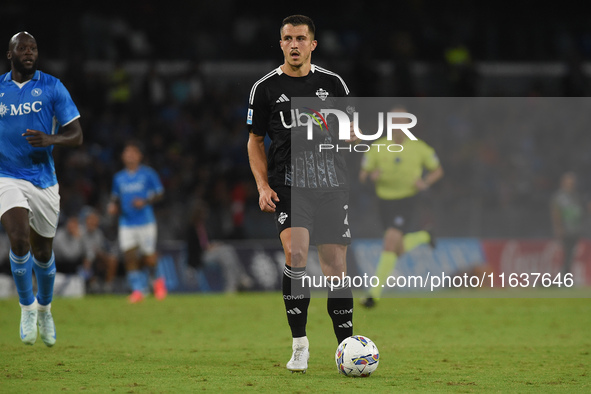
(20, 246)
(42, 253)
(19, 242)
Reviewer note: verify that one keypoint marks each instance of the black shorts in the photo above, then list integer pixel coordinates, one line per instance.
(323, 213)
(397, 213)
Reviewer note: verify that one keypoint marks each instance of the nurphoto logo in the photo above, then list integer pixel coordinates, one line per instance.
(352, 124)
(390, 124)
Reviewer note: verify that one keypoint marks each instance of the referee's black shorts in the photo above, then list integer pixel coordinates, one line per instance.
(324, 213)
(397, 214)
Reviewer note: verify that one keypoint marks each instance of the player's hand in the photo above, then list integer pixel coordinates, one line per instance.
(352, 136)
(38, 139)
(375, 175)
(267, 199)
(139, 203)
(421, 185)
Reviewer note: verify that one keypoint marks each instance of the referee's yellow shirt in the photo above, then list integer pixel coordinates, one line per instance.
(399, 170)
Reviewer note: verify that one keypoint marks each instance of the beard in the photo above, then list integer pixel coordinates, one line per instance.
(22, 69)
(299, 62)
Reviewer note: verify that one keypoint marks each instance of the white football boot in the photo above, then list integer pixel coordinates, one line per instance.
(46, 328)
(28, 329)
(299, 359)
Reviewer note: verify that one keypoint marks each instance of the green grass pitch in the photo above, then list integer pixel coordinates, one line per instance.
(220, 343)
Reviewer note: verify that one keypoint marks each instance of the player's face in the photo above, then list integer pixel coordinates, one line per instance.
(297, 45)
(23, 54)
(131, 156)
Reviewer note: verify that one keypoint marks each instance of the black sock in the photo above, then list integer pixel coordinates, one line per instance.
(296, 297)
(340, 309)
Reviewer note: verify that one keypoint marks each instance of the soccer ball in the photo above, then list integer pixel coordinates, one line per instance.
(357, 356)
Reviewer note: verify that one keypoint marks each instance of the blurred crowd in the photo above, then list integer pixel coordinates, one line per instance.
(140, 73)
(427, 31)
(192, 132)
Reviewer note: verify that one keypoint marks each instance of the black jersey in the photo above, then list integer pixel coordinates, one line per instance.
(270, 113)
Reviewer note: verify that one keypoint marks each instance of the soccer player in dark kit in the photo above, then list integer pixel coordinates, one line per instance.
(320, 192)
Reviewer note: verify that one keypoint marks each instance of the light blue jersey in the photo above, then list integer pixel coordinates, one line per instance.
(43, 103)
(127, 186)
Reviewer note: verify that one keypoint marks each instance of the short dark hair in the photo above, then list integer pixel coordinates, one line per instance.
(298, 20)
(135, 144)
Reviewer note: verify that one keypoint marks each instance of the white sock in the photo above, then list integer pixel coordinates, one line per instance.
(31, 307)
(44, 308)
(300, 341)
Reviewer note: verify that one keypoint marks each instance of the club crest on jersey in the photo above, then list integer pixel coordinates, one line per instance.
(3, 109)
(36, 92)
(322, 94)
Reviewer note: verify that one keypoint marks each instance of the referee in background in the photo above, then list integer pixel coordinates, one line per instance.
(398, 178)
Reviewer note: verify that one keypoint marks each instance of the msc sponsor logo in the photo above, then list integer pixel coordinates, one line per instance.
(21, 109)
(133, 187)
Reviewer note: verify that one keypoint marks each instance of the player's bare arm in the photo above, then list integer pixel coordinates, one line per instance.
(70, 135)
(430, 179)
(258, 165)
(363, 176)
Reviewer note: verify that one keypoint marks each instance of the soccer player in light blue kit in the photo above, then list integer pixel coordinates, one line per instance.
(33, 105)
(135, 189)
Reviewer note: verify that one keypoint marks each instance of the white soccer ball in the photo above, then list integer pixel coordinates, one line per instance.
(357, 356)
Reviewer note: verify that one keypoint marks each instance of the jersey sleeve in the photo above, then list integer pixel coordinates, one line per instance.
(257, 118)
(341, 87)
(64, 107)
(346, 102)
(430, 159)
